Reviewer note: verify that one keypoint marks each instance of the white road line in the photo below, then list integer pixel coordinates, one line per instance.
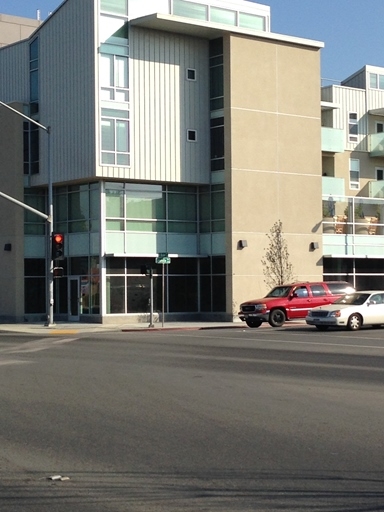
(311, 343)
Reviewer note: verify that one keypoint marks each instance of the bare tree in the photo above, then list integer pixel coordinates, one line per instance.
(277, 269)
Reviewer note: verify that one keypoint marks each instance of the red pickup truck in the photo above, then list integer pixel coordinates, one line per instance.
(291, 301)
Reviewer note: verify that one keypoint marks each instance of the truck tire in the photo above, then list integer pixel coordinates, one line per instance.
(256, 322)
(276, 318)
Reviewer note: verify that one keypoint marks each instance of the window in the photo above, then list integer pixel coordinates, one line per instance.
(379, 174)
(34, 224)
(77, 208)
(34, 73)
(115, 6)
(151, 208)
(225, 16)
(115, 137)
(31, 138)
(190, 10)
(353, 129)
(317, 290)
(373, 80)
(114, 78)
(301, 292)
(354, 174)
(191, 136)
(251, 21)
(217, 144)
(379, 127)
(191, 74)
(216, 71)
(212, 209)
(376, 81)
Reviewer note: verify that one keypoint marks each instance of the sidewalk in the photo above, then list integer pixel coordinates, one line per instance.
(61, 328)
(76, 328)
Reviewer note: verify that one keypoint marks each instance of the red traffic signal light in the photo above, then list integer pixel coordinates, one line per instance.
(57, 246)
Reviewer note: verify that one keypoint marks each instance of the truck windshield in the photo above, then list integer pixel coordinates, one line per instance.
(279, 291)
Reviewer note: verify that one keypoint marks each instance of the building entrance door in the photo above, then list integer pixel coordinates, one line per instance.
(74, 299)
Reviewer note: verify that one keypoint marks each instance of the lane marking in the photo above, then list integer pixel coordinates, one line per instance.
(293, 342)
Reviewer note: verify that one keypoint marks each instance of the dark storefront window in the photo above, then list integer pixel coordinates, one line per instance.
(128, 290)
(34, 286)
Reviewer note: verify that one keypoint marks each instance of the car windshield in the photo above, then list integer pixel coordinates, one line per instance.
(279, 291)
(354, 299)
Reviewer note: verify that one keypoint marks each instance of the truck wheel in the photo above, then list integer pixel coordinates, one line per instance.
(276, 318)
(253, 323)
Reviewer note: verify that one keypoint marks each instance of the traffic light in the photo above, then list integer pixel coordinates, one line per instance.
(57, 246)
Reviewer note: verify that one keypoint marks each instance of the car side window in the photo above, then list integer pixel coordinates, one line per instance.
(301, 292)
(377, 299)
(318, 290)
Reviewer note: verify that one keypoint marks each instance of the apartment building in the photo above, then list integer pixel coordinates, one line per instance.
(15, 28)
(179, 132)
(353, 178)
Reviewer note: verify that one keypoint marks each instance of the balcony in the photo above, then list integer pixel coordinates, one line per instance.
(332, 140)
(353, 226)
(376, 144)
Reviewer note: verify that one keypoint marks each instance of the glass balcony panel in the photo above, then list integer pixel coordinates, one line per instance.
(332, 140)
(376, 144)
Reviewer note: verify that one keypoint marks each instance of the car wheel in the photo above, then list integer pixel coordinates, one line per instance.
(354, 322)
(276, 318)
(322, 327)
(253, 323)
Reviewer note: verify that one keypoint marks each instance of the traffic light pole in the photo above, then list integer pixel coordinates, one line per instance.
(151, 324)
(49, 218)
(50, 262)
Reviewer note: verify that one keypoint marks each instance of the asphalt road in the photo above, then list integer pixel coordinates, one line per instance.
(218, 420)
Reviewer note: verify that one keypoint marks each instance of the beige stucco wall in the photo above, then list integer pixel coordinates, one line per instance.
(273, 159)
(15, 28)
(11, 217)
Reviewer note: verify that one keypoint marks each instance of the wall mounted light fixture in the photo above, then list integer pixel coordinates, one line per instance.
(242, 244)
(313, 246)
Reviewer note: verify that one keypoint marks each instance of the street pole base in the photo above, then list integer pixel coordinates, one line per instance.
(151, 325)
(47, 324)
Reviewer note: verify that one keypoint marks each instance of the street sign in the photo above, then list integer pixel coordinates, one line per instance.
(164, 260)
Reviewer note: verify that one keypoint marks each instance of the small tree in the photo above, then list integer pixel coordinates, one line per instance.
(277, 269)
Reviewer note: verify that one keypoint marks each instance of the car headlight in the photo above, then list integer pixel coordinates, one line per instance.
(336, 314)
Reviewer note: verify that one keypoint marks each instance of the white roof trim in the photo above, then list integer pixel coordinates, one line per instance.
(210, 30)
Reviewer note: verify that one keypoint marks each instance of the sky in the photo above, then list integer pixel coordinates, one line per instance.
(348, 28)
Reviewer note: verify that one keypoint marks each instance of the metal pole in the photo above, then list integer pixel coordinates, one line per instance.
(151, 299)
(50, 262)
(49, 219)
(162, 291)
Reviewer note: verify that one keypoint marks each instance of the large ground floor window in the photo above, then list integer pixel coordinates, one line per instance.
(191, 285)
(362, 273)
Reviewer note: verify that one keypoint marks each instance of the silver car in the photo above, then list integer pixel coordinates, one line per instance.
(350, 311)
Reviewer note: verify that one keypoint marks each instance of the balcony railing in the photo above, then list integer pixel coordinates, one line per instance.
(376, 144)
(353, 226)
(332, 140)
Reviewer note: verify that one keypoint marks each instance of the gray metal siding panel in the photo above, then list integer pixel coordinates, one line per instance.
(164, 105)
(67, 91)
